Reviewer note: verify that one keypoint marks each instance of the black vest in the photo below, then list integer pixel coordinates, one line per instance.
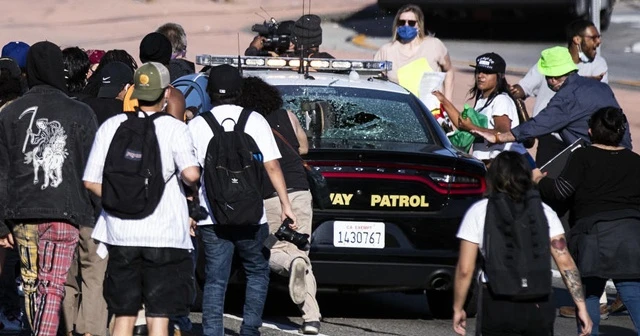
(290, 162)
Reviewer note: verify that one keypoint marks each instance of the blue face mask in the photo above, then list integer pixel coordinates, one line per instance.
(407, 33)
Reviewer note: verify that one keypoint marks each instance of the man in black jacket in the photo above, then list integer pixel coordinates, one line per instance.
(45, 138)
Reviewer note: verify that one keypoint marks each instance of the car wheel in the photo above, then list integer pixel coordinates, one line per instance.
(441, 302)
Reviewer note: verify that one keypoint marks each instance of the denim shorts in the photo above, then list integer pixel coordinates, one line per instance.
(161, 278)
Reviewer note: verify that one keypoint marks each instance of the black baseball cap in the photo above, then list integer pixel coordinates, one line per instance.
(114, 77)
(490, 63)
(224, 80)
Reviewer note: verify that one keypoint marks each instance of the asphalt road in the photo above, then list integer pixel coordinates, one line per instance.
(389, 314)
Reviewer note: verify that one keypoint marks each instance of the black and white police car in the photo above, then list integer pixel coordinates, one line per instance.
(398, 187)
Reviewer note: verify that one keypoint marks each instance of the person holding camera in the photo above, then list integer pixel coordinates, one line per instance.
(289, 255)
(273, 39)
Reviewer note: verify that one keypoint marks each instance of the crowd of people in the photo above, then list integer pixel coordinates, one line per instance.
(83, 257)
(91, 240)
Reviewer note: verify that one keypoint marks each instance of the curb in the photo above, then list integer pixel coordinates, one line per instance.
(361, 40)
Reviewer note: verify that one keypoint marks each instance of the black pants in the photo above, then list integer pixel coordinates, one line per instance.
(502, 317)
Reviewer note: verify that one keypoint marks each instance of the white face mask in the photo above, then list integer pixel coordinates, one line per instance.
(583, 57)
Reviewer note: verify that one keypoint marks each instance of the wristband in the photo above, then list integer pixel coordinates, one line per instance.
(497, 139)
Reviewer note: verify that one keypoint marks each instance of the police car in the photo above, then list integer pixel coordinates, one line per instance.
(398, 187)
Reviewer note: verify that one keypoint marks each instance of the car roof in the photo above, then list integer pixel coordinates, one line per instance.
(289, 77)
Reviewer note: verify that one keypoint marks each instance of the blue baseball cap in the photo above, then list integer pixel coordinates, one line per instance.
(17, 51)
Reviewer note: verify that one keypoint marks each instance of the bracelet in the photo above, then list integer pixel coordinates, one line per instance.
(497, 139)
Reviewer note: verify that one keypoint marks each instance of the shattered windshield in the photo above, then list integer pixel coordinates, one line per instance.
(357, 118)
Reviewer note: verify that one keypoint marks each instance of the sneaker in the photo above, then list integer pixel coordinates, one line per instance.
(570, 311)
(9, 324)
(297, 284)
(310, 328)
(617, 306)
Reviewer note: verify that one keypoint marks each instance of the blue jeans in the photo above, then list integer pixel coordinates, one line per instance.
(219, 243)
(629, 291)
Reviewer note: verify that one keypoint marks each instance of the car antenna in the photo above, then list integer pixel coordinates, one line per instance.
(239, 58)
(305, 68)
(272, 20)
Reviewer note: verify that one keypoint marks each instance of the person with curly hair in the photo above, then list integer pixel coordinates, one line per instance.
(286, 259)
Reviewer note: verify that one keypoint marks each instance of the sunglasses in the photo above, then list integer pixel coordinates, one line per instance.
(411, 23)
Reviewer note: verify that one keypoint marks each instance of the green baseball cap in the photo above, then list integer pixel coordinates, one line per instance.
(149, 81)
(555, 62)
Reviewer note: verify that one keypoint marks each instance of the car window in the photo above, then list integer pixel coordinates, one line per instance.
(357, 118)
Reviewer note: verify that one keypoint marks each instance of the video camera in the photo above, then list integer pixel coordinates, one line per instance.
(276, 39)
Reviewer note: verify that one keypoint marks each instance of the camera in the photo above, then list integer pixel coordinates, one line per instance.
(285, 233)
(276, 39)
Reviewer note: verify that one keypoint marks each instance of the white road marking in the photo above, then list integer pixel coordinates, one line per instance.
(634, 19)
(285, 328)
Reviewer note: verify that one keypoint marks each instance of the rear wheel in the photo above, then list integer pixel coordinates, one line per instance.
(441, 302)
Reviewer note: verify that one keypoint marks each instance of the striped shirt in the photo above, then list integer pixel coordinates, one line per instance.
(257, 127)
(168, 225)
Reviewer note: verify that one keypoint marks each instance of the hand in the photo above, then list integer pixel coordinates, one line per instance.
(286, 212)
(600, 76)
(584, 321)
(439, 95)
(258, 42)
(460, 322)
(465, 124)
(517, 91)
(193, 225)
(7, 241)
(537, 175)
(486, 134)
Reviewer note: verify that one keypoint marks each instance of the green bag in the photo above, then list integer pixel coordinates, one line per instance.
(464, 139)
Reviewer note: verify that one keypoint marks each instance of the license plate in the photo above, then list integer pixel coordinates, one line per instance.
(358, 234)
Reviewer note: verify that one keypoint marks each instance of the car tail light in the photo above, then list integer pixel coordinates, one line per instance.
(459, 184)
(442, 180)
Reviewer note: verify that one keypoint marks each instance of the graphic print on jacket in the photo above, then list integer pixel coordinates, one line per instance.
(50, 149)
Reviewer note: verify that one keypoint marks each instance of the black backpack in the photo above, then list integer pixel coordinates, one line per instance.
(517, 256)
(132, 181)
(233, 171)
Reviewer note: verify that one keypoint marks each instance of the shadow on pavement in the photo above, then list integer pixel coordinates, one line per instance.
(373, 22)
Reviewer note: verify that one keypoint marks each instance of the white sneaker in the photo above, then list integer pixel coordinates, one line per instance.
(8, 325)
(297, 285)
(310, 328)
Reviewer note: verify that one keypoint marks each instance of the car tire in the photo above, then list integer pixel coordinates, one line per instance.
(441, 302)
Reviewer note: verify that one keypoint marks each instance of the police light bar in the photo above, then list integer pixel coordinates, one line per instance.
(258, 62)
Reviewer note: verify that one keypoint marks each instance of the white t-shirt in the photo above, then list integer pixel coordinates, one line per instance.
(472, 226)
(501, 105)
(168, 225)
(534, 83)
(257, 127)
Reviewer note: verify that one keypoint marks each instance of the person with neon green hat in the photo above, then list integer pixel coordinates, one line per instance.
(568, 112)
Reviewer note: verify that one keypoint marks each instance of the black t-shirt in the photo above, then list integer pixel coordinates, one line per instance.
(290, 162)
(599, 180)
(104, 108)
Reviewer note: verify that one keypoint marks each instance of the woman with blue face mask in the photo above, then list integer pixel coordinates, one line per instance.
(414, 51)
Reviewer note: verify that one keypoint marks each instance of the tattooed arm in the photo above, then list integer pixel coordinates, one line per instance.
(571, 277)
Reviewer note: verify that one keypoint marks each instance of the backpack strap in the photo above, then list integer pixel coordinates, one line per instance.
(242, 120)
(215, 126)
(157, 115)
